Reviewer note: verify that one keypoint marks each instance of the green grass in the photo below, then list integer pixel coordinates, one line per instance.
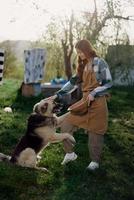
(113, 181)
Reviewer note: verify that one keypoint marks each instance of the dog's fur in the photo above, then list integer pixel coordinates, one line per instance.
(41, 130)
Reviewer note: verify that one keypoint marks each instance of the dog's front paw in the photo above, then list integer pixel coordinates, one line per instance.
(43, 169)
(70, 137)
(38, 158)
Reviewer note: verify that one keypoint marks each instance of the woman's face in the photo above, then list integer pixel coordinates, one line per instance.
(81, 54)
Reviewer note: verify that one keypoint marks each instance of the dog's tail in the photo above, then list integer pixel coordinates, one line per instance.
(4, 157)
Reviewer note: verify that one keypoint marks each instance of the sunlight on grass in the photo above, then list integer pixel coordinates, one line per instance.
(71, 182)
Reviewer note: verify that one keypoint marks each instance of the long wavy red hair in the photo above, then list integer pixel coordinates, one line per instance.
(89, 52)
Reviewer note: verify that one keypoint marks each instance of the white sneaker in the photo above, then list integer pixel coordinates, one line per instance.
(93, 166)
(69, 157)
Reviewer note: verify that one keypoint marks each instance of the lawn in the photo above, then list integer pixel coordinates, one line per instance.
(113, 181)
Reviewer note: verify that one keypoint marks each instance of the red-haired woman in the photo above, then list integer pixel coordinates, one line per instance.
(94, 75)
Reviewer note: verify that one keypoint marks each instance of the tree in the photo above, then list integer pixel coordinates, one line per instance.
(61, 34)
(67, 44)
(90, 27)
(52, 43)
(10, 63)
(95, 22)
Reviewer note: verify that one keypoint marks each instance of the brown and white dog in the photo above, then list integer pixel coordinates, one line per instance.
(41, 130)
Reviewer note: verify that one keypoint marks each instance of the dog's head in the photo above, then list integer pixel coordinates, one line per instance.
(46, 107)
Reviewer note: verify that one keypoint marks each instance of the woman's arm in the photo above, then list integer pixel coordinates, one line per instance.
(104, 79)
(68, 86)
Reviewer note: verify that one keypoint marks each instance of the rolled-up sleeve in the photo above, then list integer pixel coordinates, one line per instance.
(68, 86)
(105, 79)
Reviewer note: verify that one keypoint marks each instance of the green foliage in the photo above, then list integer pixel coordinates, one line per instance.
(120, 58)
(54, 65)
(10, 59)
(54, 58)
(12, 68)
(17, 72)
(114, 179)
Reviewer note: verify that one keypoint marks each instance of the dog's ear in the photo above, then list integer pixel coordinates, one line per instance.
(35, 108)
(44, 108)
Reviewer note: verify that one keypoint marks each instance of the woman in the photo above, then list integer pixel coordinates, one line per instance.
(95, 78)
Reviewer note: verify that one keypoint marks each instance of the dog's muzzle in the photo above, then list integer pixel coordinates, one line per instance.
(57, 108)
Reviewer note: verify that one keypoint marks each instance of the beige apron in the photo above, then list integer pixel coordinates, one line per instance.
(97, 117)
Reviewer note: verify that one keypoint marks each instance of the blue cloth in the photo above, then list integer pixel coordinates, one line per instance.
(57, 81)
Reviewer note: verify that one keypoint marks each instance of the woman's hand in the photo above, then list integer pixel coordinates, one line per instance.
(90, 98)
(54, 97)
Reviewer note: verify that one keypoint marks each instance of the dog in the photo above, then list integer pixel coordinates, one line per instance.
(41, 131)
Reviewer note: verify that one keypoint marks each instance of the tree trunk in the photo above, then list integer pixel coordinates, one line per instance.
(67, 45)
(67, 60)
